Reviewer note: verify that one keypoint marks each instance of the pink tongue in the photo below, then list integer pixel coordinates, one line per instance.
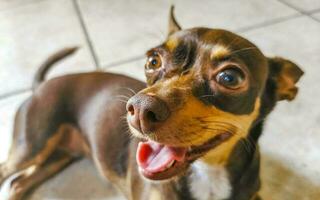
(154, 157)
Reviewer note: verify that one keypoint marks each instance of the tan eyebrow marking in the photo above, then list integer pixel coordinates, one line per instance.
(219, 52)
(171, 44)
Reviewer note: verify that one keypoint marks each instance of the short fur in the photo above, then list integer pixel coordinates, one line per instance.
(81, 115)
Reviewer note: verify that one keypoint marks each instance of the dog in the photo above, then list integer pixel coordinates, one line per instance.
(190, 132)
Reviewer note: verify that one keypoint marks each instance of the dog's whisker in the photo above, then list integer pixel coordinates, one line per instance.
(131, 90)
(217, 122)
(181, 88)
(243, 49)
(225, 123)
(248, 143)
(120, 98)
(223, 126)
(251, 142)
(216, 129)
(162, 35)
(123, 101)
(243, 142)
(233, 41)
(207, 96)
(123, 117)
(246, 146)
(123, 96)
(155, 35)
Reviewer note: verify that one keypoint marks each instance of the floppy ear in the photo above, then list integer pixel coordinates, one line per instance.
(286, 74)
(173, 24)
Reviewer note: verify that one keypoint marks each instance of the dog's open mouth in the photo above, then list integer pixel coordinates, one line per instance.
(158, 161)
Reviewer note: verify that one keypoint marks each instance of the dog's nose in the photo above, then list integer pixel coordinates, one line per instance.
(146, 112)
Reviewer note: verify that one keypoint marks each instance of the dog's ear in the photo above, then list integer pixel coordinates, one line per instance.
(286, 74)
(173, 24)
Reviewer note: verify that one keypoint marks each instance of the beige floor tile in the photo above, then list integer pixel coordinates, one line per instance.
(292, 131)
(133, 69)
(30, 33)
(291, 153)
(8, 109)
(305, 5)
(317, 15)
(9, 4)
(79, 181)
(122, 29)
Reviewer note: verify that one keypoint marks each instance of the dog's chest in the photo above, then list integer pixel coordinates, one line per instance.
(209, 182)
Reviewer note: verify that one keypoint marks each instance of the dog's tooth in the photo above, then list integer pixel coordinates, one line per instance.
(170, 164)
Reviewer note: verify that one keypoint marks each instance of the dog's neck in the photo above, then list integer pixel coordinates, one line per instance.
(209, 181)
(237, 177)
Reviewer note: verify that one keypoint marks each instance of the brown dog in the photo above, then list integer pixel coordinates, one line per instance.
(196, 123)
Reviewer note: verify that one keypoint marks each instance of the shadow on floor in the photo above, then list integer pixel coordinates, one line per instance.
(279, 182)
(81, 181)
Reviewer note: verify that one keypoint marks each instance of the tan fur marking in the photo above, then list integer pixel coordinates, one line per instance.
(286, 89)
(189, 130)
(221, 154)
(286, 78)
(193, 123)
(171, 44)
(49, 147)
(74, 142)
(256, 197)
(219, 51)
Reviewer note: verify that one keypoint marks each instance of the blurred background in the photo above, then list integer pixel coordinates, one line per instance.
(113, 36)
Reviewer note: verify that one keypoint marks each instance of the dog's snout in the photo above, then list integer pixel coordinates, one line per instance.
(145, 112)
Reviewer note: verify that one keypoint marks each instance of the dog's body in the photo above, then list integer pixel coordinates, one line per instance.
(197, 126)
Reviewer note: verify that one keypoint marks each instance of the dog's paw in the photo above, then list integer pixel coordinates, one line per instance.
(16, 191)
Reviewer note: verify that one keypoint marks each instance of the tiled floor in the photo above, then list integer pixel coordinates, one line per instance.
(113, 36)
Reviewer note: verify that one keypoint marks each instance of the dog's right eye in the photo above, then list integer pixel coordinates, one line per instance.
(230, 78)
(153, 62)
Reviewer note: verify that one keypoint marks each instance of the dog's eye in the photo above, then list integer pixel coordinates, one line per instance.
(153, 62)
(230, 78)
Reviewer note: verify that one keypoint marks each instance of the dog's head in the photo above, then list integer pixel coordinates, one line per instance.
(206, 89)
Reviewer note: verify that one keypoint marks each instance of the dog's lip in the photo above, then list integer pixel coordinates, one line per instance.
(193, 153)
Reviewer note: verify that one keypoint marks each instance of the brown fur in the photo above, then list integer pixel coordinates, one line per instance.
(81, 115)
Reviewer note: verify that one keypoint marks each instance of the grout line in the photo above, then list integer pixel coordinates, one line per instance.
(86, 33)
(240, 30)
(306, 13)
(131, 59)
(14, 93)
(267, 23)
(110, 65)
(121, 62)
(292, 6)
(313, 11)
(314, 18)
